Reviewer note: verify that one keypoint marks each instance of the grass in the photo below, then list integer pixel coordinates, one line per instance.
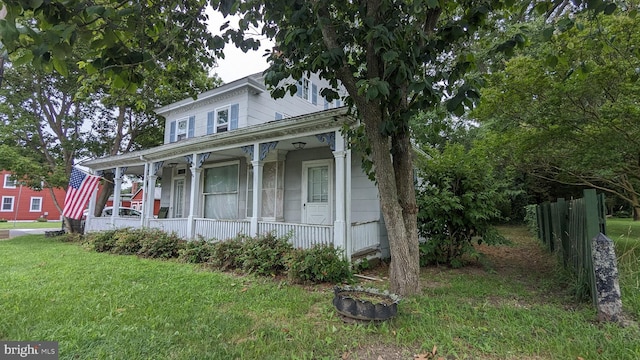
(101, 306)
(30, 225)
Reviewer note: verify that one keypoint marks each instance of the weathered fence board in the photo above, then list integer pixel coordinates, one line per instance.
(568, 227)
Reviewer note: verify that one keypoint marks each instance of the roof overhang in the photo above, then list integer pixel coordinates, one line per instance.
(309, 124)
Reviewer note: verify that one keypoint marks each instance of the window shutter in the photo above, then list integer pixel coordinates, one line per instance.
(233, 121)
(172, 132)
(192, 125)
(299, 88)
(278, 116)
(314, 94)
(210, 124)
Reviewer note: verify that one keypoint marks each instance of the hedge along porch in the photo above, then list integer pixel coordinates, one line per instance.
(297, 173)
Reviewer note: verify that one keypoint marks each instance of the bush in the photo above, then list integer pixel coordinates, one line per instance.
(158, 244)
(265, 254)
(3, 220)
(459, 199)
(103, 241)
(322, 263)
(196, 251)
(42, 219)
(225, 255)
(128, 241)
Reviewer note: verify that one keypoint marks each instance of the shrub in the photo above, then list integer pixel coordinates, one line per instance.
(42, 219)
(103, 241)
(158, 244)
(196, 251)
(321, 263)
(128, 241)
(225, 255)
(3, 220)
(265, 254)
(458, 198)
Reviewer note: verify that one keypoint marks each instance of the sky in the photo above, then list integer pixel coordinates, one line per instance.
(236, 63)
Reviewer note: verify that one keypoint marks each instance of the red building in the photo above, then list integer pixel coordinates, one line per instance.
(22, 203)
(138, 196)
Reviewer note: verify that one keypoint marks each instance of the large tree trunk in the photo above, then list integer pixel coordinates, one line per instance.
(107, 190)
(398, 204)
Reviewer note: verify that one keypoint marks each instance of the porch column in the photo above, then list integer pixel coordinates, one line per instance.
(258, 166)
(339, 224)
(145, 181)
(193, 199)
(92, 209)
(117, 180)
(150, 190)
(349, 241)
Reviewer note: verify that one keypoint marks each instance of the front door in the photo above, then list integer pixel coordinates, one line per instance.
(316, 192)
(178, 198)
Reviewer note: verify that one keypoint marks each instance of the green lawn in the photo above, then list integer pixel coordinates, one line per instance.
(102, 306)
(30, 225)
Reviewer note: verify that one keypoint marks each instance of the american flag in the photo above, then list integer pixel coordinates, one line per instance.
(81, 185)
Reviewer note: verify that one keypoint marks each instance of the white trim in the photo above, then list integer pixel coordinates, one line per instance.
(13, 202)
(31, 204)
(6, 180)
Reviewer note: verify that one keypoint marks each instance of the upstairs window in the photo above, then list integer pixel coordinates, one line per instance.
(181, 132)
(182, 129)
(307, 90)
(223, 119)
(9, 182)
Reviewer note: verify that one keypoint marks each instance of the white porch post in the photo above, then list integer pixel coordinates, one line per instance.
(339, 224)
(258, 166)
(349, 240)
(150, 192)
(117, 180)
(145, 181)
(193, 199)
(92, 209)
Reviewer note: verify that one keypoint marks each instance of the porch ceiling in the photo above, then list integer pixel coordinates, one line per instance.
(301, 128)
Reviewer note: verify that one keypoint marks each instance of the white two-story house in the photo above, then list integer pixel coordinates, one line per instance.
(236, 161)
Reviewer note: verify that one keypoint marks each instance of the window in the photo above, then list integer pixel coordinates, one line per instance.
(9, 183)
(181, 132)
(307, 90)
(223, 119)
(7, 203)
(36, 204)
(182, 129)
(221, 191)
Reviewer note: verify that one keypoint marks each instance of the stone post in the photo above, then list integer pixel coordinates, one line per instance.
(607, 294)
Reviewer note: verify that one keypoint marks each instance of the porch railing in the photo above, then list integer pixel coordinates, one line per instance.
(302, 235)
(178, 226)
(364, 235)
(221, 229)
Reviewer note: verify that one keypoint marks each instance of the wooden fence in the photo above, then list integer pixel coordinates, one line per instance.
(567, 227)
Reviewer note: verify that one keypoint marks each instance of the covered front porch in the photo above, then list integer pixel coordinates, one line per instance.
(254, 181)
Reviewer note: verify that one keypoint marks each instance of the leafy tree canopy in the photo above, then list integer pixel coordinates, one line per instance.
(568, 111)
